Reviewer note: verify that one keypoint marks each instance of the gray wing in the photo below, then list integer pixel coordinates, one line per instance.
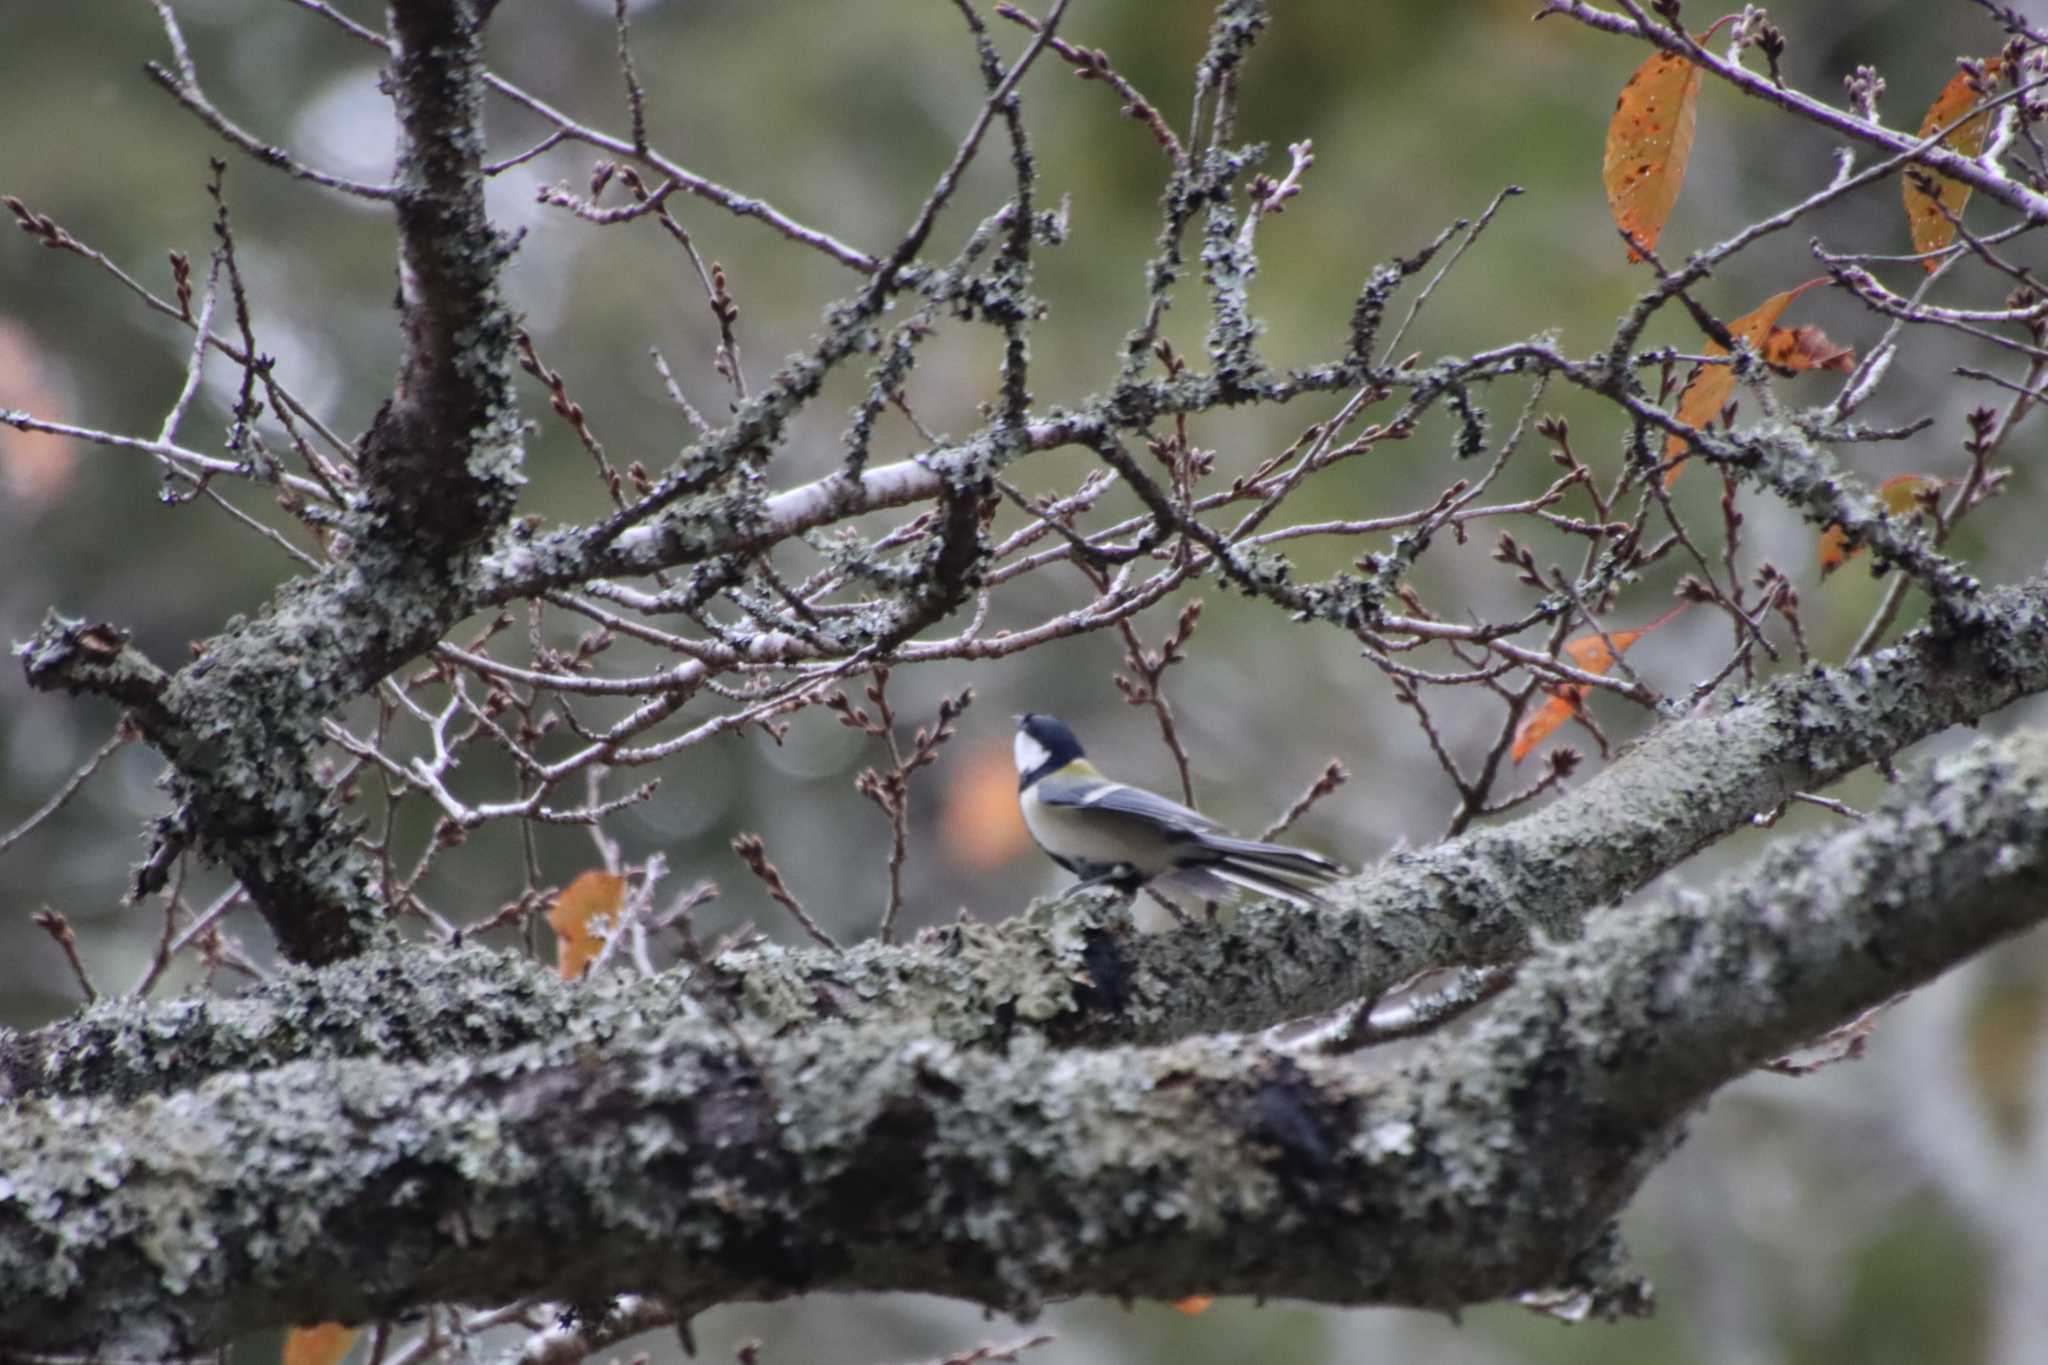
(1200, 850)
(1115, 798)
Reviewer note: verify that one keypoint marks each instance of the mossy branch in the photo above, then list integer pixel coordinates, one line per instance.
(689, 1160)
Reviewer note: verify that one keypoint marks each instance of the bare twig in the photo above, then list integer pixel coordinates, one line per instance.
(891, 790)
(1414, 1013)
(1147, 688)
(1332, 777)
(124, 731)
(59, 928)
(755, 855)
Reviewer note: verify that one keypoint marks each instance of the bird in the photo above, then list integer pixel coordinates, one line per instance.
(1110, 833)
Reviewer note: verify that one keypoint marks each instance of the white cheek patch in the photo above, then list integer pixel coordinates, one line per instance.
(1030, 753)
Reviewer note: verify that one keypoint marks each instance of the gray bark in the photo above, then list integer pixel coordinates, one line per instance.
(1068, 972)
(1007, 1114)
(707, 1162)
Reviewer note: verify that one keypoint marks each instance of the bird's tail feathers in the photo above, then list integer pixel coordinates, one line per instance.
(1289, 862)
(1250, 878)
(1214, 864)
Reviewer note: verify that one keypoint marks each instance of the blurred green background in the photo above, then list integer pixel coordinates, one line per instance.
(1877, 1212)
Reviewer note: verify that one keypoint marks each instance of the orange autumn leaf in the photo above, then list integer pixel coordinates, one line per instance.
(983, 828)
(1901, 495)
(1706, 392)
(1589, 654)
(35, 468)
(1806, 348)
(1649, 141)
(323, 1344)
(582, 912)
(1194, 1303)
(1932, 228)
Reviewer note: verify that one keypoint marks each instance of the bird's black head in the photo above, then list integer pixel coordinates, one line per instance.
(1044, 745)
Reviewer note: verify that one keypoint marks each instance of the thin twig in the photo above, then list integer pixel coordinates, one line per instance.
(755, 855)
(59, 928)
(1332, 777)
(124, 731)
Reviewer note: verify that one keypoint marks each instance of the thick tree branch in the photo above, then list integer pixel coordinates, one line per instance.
(690, 1161)
(1081, 977)
(240, 725)
(442, 458)
(1003, 1113)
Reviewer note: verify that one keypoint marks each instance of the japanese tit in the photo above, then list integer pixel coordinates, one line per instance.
(1107, 833)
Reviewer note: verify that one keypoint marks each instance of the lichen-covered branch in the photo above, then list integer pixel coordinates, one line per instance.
(442, 458)
(1004, 1112)
(705, 1165)
(241, 724)
(418, 534)
(1078, 975)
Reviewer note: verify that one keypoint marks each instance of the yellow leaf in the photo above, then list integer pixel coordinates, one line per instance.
(1649, 141)
(582, 912)
(1901, 495)
(1933, 229)
(324, 1344)
(1704, 394)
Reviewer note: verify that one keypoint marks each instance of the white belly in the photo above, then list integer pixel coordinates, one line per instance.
(1091, 837)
